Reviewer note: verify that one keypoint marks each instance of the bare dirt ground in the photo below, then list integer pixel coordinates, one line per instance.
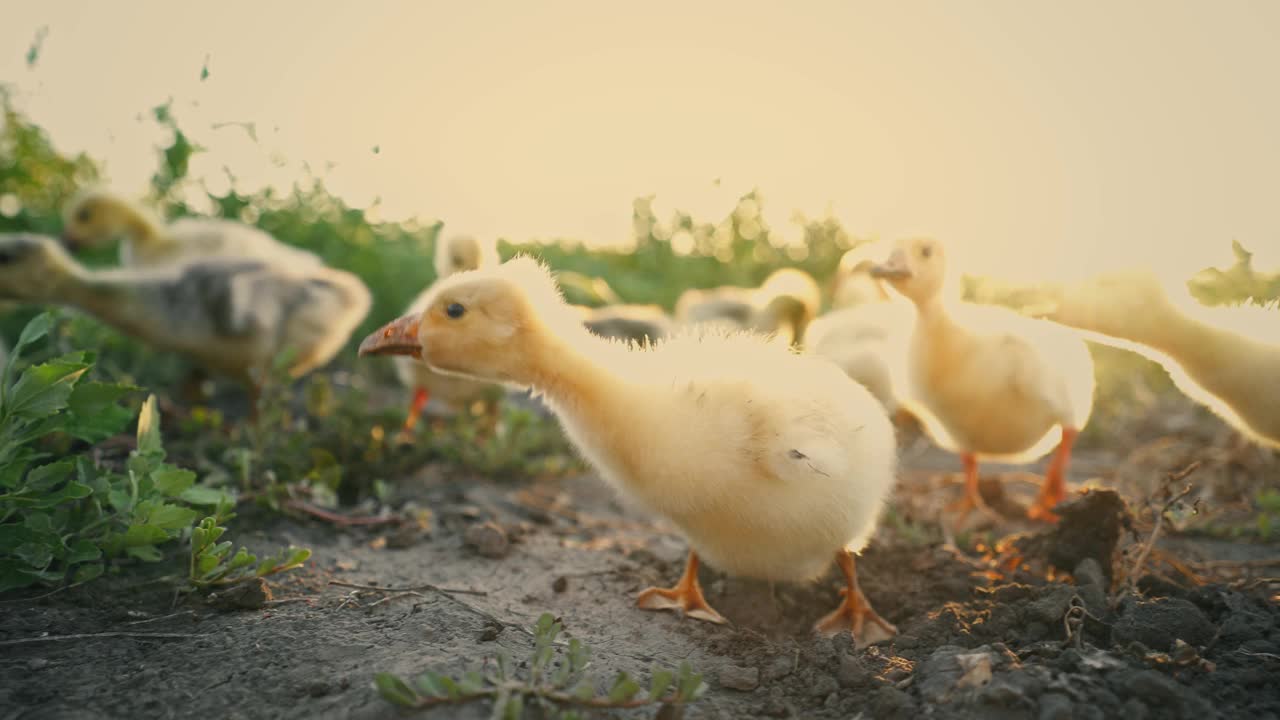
(988, 629)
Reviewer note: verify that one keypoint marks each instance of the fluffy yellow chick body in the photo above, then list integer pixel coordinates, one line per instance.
(771, 463)
(987, 382)
(1228, 359)
(233, 316)
(95, 217)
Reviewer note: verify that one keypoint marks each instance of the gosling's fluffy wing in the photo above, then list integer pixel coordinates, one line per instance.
(1041, 359)
(238, 300)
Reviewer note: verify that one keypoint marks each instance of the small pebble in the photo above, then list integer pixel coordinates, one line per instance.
(736, 677)
(488, 539)
(1055, 706)
(560, 584)
(318, 689)
(778, 668)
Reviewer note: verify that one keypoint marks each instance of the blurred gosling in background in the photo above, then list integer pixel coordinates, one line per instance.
(987, 382)
(638, 324)
(1227, 359)
(95, 218)
(867, 332)
(784, 305)
(235, 317)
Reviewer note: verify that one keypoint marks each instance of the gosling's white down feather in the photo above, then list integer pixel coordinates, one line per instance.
(769, 462)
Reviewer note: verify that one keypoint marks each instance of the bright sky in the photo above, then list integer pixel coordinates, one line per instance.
(1039, 139)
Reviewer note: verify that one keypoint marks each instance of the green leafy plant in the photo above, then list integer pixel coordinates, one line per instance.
(556, 685)
(1240, 283)
(62, 516)
(213, 564)
(1268, 513)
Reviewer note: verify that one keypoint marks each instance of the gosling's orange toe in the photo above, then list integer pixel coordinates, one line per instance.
(686, 597)
(689, 602)
(853, 616)
(854, 611)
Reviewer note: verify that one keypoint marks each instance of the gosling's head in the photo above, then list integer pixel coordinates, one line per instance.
(32, 267)
(460, 253)
(492, 324)
(917, 268)
(95, 218)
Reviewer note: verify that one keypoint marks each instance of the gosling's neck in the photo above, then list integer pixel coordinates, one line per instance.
(144, 231)
(569, 370)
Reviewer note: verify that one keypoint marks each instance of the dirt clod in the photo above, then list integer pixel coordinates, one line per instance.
(488, 539)
(1089, 529)
(1158, 623)
(1055, 706)
(736, 677)
(252, 594)
(560, 584)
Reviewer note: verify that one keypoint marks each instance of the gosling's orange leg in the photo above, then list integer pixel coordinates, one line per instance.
(972, 498)
(1054, 489)
(854, 610)
(686, 596)
(420, 398)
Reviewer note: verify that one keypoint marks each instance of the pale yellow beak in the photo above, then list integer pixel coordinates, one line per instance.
(895, 268)
(398, 337)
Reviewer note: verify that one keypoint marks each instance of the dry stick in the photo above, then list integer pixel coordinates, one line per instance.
(342, 520)
(396, 596)
(188, 613)
(1131, 577)
(1235, 564)
(415, 588)
(88, 636)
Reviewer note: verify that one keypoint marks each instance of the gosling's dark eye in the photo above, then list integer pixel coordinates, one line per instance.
(455, 310)
(84, 215)
(926, 252)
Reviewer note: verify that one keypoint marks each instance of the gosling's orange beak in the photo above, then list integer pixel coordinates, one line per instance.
(398, 337)
(895, 268)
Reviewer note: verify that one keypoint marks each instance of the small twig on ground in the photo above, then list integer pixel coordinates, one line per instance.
(396, 596)
(1235, 564)
(339, 519)
(90, 636)
(415, 588)
(1263, 655)
(51, 593)
(188, 613)
(1131, 578)
(285, 601)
